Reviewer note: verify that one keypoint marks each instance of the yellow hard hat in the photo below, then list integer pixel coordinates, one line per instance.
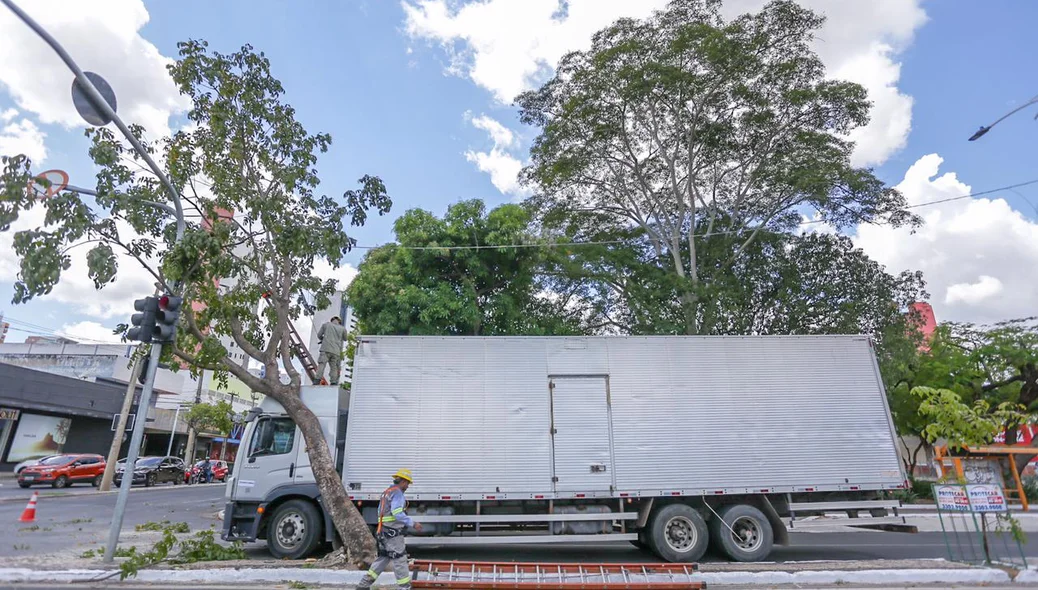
(404, 474)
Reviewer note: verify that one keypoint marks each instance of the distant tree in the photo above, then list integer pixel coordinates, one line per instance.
(685, 120)
(445, 276)
(214, 418)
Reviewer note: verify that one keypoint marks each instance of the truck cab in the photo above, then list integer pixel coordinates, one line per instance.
(272, 494)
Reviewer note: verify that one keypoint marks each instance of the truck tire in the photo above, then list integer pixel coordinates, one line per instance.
(678, 533)
(294, 531)
(752, 538)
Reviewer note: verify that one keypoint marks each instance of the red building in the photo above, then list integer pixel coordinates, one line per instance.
(922, 315)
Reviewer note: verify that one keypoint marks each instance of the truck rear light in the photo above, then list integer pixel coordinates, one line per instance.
(491, 497)
(765, 491)
(579, 495)
(538, 497)
(718, 492)
(624, 494)
(855, 488)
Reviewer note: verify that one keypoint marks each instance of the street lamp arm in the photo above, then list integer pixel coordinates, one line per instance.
(102, 105)
(984, 130)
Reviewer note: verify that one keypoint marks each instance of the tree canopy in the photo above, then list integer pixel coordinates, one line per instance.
(444, 276)
(685, 126)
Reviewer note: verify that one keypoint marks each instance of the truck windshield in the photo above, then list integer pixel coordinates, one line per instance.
(273, 436)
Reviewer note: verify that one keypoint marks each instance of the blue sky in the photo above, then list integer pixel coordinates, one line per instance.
(412, 91)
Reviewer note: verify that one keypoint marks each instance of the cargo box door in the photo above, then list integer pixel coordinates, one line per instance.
(582, 451)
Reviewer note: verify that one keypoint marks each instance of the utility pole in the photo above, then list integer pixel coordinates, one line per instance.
(189, 452)
(227, 437)
(120, 429)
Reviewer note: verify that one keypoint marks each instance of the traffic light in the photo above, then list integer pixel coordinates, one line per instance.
(166, 318)
(144, 322)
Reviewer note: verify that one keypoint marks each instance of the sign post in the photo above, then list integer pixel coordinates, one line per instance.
(961, 505)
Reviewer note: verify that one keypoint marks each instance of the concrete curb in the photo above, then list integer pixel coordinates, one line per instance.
(351, 578)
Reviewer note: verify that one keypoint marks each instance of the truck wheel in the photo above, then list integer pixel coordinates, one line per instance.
(679, 534)
(744, 535)
(294, 531)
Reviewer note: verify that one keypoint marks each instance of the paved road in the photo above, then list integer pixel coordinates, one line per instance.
(79, 520)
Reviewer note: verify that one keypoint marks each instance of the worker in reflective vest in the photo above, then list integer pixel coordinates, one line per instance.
(392, 520)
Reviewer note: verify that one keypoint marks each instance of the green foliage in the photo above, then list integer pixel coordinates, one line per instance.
(689, 137)
(211, 417)
(201, 547)
(961, 424)
(474, 290)
(1030, 485)
(178, 527)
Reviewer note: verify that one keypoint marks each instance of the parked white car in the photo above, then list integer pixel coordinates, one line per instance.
(29, 463)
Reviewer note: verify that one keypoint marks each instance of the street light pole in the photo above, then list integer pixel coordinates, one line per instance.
(101, 105)
(983, 130)
(173, 432)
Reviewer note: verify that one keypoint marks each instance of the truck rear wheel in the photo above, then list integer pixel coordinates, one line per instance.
(742, 533)
(294, 531)
(678, 533)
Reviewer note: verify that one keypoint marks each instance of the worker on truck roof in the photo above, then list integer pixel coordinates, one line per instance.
(331, 336)
(392, 520)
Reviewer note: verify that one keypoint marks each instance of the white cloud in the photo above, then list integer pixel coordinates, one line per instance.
(89, 332)
(21, 137)
(975, 254)
(503, 169)
(502, 136)
(973, 293)
(508, 46)
(103, 37)
(75, 288)
(343, 274)
(499, 163)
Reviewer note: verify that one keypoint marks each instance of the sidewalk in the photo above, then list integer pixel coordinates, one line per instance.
(889, 573)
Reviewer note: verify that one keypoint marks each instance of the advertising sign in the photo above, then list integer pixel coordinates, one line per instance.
(987, 498)
(38, 436)
(952, 498)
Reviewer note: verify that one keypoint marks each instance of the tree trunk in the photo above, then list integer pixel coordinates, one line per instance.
(356, 536)
(689, 308)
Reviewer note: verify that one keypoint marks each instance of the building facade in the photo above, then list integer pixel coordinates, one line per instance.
(45, 413)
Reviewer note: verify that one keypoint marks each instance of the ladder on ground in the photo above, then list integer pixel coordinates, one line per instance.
(485, 575)
(301, 352)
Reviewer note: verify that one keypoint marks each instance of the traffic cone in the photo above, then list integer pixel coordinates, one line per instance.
(29, 514)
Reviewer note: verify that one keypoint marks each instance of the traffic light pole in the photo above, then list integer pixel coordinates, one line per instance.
(132, 452)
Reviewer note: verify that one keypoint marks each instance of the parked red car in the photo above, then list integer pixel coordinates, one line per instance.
(64, 470)
(219, 470)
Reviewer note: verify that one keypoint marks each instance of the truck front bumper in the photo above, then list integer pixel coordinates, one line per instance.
(241, 521)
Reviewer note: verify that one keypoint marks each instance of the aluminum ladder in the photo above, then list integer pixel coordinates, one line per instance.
(301, 352)
(488, 575)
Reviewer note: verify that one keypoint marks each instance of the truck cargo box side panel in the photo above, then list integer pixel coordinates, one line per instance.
(748, 412)
(472, 415)
(466, 415)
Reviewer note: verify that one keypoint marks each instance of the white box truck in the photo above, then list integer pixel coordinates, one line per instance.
(670, 443)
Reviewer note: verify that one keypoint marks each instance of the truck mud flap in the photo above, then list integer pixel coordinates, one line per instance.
(781, 532)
